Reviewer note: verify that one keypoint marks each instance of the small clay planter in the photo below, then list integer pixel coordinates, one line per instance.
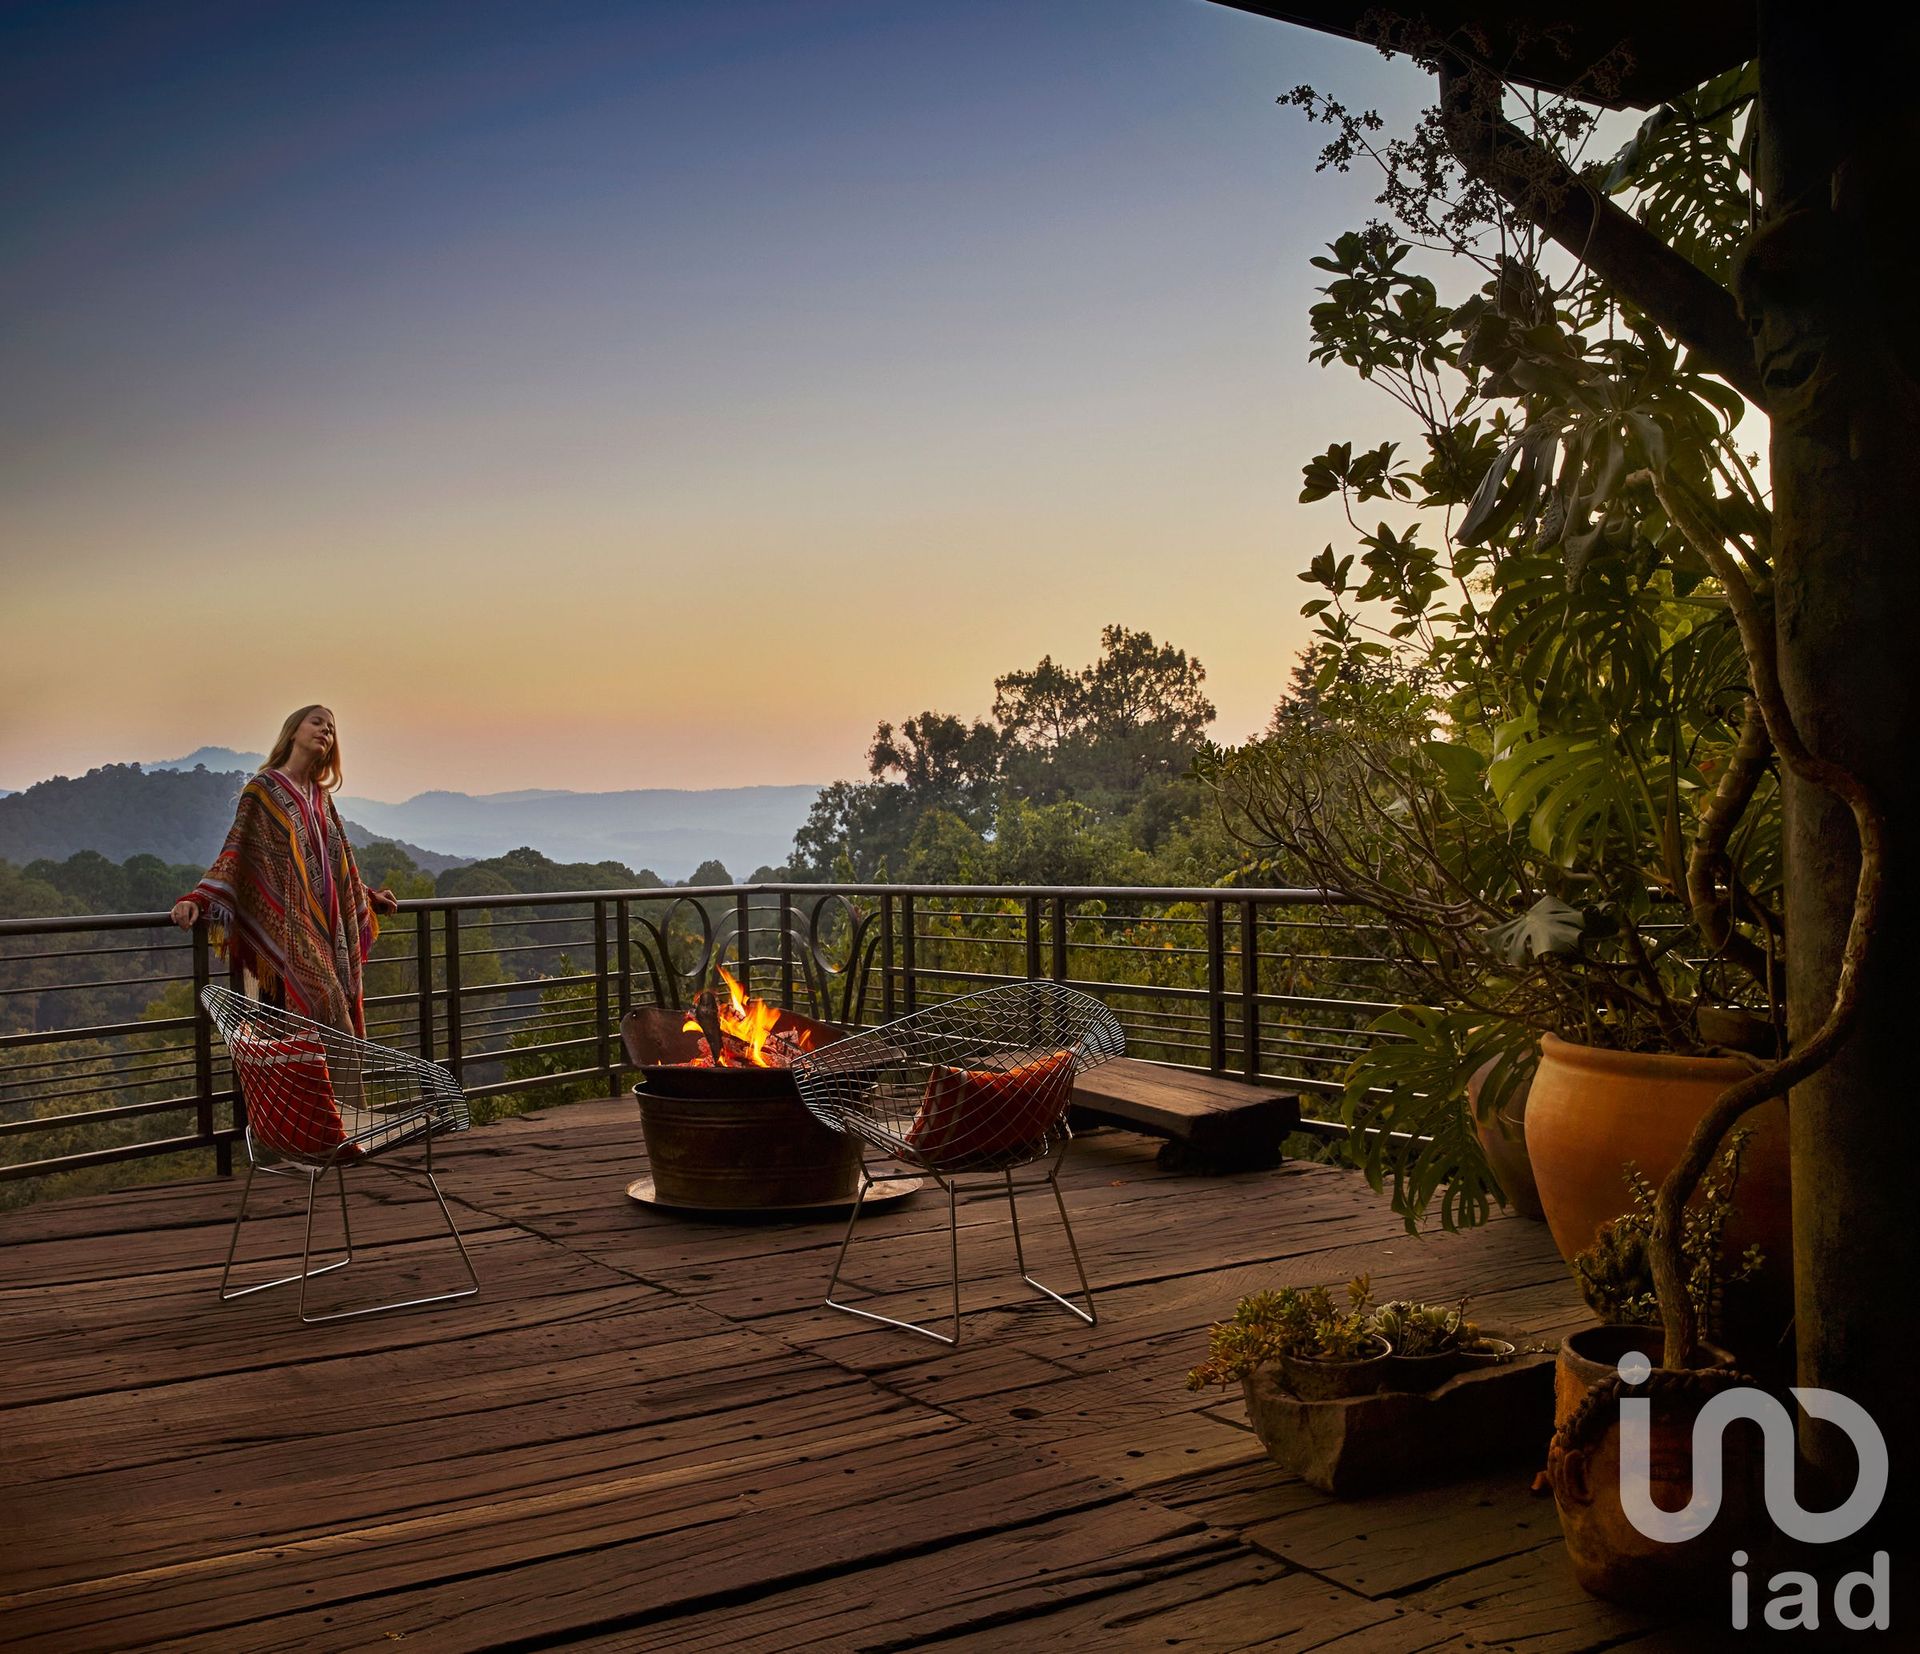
(1485, 1352)
(1417, 1374)
(1315, 1380)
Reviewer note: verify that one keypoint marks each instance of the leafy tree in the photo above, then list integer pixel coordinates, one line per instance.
(1115, 739)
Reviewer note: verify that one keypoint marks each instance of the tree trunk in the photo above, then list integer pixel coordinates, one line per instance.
(1825, 290)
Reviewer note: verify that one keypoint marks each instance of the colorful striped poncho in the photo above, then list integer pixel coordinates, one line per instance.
(285, 902)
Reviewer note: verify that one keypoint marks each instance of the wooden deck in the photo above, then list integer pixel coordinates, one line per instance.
(645, 1434)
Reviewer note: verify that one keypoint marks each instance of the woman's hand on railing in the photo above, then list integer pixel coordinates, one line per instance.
(383, 900)
(186, 913)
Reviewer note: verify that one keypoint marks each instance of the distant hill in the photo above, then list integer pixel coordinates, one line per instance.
(217, 759)
(181, 815)
(668, 830)
(428, 861)
(122, 810)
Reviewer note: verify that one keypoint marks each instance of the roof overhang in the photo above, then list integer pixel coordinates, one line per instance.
(1667, 48)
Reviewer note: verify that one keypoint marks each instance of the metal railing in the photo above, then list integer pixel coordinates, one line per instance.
(106, 1054)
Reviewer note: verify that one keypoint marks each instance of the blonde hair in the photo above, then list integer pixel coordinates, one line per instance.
(328, 775)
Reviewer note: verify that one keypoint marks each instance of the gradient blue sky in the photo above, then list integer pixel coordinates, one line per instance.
(646, 394)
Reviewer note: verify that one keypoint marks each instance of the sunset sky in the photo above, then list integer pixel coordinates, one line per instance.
(647, 393)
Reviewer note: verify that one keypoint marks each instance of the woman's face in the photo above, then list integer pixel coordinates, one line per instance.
(314, 737)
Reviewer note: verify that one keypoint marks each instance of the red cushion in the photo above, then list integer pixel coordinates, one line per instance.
(290, 1102)
(990, 1111)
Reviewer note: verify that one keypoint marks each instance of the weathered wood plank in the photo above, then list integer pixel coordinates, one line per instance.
(647, 1433)
(1532, 1604)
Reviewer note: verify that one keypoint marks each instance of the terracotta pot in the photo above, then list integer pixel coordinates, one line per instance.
(1504, 1139)
(1313, 1380)
(1611, 1557)
(1590, 1112)
(1594, 1353)
(1486, 1352)
(1417, 1374)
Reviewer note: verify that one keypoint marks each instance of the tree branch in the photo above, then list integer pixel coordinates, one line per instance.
(1680, 297)
(1870, 823)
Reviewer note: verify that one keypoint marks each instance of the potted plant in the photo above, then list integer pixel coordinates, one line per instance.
(1429, 1341)
(1596, 778)
(1530, 736)
(1615, 1275)
(1319, 1351)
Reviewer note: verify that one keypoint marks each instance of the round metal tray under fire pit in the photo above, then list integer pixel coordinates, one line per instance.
(882, 1195)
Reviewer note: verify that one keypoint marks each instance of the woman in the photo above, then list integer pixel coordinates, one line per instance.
(285, 895)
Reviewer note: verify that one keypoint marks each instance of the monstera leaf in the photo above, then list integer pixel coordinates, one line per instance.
(1570, 789)
(1405, 1101)
(1549, 927)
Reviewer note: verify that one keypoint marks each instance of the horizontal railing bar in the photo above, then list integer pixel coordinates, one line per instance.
(163, 946)
(97, 982)
(125, 1151)
(104, 1030)
(117, 1111)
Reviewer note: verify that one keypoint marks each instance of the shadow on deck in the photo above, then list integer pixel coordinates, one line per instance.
(644, 1433)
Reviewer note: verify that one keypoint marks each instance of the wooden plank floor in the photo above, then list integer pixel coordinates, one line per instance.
(646, 1433)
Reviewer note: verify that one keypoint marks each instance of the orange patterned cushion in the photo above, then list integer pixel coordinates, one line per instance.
(290, 1102)
(988, 1111)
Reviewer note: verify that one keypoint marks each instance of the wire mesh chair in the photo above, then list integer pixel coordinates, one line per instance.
(319, 1101)
(975, 1085)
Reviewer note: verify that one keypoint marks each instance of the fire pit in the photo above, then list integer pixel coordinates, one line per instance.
(729, 1134)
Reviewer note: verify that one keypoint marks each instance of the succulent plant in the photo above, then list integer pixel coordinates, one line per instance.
(1304, 1322)
(1415, 1329)
(1616, 1272)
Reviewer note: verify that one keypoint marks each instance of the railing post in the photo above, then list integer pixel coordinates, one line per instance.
(453, 993)
(1216, 986)
(786, 950)
(602, 1001)
(1059, 938)
(203, 1050)
(1033, 938)
(743, 933)
(623, 952)
(1250, 990)
(423, 977)
(886, 958)
(910, 992)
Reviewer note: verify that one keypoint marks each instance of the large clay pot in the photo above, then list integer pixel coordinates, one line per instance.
(1592, 1111)
(1503, 1137)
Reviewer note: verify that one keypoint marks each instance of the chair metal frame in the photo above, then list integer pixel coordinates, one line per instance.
(437, 1106)
(904, 1047)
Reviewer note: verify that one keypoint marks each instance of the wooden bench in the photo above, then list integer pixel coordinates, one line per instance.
(1210, 1122)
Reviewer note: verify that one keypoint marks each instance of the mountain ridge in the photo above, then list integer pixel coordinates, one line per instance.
(181, 814)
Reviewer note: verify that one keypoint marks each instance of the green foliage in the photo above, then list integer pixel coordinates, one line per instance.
(1524, 686)
(1080, 778)
(1416, 1329)
(1405, 1103)
(1296, 1321)
(1616, 1272)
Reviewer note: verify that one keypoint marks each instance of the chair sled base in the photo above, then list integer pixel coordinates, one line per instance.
(951, 1339)
(315, 1175)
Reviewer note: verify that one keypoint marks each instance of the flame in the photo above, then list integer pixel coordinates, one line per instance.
(749, 1021)
(746, 1024)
